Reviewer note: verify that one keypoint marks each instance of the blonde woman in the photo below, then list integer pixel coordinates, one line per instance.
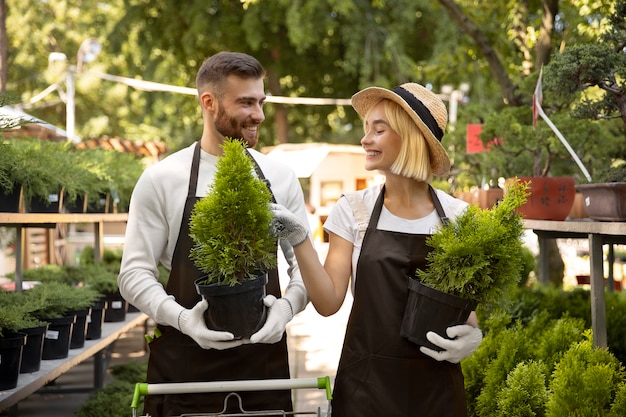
(377, 236)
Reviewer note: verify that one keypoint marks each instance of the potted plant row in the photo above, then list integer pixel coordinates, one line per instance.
(230, 228)
(44, 176)
(43, 317)
(475, 259)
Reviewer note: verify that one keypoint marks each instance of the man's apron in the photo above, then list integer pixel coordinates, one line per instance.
(381, 373)
(175, 357)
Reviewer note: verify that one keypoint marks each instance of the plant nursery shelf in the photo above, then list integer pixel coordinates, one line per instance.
(28, 383)
(598, 234)
(21, 221)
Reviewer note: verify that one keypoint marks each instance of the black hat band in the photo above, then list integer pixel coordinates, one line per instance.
(421, 110)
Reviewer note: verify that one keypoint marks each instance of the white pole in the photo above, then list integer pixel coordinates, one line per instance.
(564, 142)
(70, 107)
(228, 386)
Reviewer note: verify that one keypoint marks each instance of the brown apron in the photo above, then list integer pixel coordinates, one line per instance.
(381, 373)
(175, 357)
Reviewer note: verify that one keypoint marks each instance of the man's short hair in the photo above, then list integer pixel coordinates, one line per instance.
(217, 68)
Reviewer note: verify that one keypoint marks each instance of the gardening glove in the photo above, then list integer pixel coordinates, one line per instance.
(464, 339)
(278, 315)
(285, 225)
(191, 322)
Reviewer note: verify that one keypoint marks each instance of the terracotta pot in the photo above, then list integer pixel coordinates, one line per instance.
(551, 198)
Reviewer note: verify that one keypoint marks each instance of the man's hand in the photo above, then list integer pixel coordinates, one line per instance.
(285, 225)
(278, 316)
(191, 322)
(464, 339)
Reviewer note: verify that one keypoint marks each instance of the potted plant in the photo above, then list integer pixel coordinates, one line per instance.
(476, 258)
(230, 228)
(57, 304)
(605, 199)
(535, 154)
(17, 317)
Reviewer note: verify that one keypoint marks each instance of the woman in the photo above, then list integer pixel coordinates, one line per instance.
(378, 236)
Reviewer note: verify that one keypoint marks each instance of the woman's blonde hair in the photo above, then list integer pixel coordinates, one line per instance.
(413, 161)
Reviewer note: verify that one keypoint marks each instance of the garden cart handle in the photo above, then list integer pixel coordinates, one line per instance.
(142, 389)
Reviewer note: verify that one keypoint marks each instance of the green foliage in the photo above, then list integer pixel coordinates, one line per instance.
(16, 313)
(584, 382)
(478, 255)
(98, 277)
(230, 226)
(114, 399)
(55, 299)
(525, 393)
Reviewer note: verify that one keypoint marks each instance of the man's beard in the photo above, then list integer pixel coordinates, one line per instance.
(229, 127)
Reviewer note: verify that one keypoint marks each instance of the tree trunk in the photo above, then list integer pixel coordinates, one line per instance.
(544, 43)
(486, 48)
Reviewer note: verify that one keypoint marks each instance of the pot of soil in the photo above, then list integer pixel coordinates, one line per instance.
(428, 310)
(79, 330)
(238, 309)
(11, 348)
(56, 344)
(95, 320)
(33, 349)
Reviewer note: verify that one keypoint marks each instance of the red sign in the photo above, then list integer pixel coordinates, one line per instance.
(473, 143)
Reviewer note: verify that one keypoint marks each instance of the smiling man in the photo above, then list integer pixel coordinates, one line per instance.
(231, 95)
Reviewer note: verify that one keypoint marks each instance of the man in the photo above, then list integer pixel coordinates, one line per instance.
(231, 95)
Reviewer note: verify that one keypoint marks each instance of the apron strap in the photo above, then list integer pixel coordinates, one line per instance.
(259, 173)
(193, 176)
(438, 207)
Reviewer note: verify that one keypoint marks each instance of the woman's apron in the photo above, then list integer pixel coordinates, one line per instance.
(175, 357)
(381, 373)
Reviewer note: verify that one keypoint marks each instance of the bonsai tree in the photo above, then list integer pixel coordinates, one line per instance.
(479, 255)
(230, 226)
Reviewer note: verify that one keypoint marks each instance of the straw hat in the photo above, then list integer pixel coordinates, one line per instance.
(425, 108)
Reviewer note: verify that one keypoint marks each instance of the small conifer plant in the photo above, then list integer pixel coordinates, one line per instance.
(230, 226)
(478, 255)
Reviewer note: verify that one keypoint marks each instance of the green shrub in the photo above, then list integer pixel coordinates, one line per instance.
(230, 226)
(525, 393)
(584, 382)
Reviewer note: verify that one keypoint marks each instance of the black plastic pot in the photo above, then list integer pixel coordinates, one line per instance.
(10, 201)
(95, 320)
(428, 310)
(79, 330)
(238, 309)
(11, 348)
(56, 344)
(50, 204)
(116, 308)
(33, 349)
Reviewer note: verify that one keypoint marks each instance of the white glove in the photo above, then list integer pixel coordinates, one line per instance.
(191, 322)
(464, 339)
(285, 225)
(278, 316)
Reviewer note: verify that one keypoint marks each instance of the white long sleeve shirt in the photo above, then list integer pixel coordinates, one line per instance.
(154, 220)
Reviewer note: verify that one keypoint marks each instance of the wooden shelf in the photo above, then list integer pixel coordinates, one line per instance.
(598, 233)
(28, 383)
